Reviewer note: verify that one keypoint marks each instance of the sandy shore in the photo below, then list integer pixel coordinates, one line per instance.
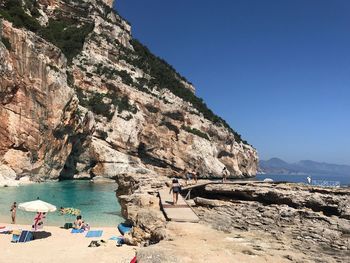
(62, 246)
(187, 243)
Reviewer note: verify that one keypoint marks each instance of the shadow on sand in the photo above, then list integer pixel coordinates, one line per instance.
(41, 235)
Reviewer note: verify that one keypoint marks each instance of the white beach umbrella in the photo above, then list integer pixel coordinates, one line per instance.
(37, 206)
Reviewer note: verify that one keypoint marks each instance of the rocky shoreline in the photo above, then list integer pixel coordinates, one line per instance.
(310, 222)
(284, 221)
(299, 223)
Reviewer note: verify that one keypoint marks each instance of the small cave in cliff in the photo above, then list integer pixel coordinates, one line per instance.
(70, 166)
(146, 158)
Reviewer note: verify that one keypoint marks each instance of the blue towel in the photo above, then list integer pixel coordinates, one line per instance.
(25, 236)
(77, 231)
(15, 238)
(120, 240)
(94, 233)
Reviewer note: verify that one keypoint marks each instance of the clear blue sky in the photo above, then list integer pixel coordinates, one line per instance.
(277, 71)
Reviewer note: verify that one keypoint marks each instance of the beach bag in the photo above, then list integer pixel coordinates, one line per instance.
(94, 244)
(68, 225)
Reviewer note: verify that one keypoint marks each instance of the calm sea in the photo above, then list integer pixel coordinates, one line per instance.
(344, 180)
(97, 202)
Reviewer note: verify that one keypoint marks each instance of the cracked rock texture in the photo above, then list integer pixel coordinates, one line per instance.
(312, 220)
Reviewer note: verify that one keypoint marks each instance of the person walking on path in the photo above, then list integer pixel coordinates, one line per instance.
(188, 177)
(13, 212)
(175, 188)
(225, 173)
(195, 175)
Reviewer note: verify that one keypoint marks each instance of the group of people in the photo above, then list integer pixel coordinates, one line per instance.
(175, 187)
(38, 220)
(79, 222)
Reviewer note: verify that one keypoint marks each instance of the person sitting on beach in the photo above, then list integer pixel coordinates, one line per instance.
(175, 188)
(79, 223)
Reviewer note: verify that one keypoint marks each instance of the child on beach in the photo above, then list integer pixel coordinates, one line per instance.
(13, 212)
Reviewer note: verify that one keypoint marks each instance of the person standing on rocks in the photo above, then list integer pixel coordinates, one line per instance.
(309, 180)
(195, 176)
(13, 212)
(225, 173)
(175, 188)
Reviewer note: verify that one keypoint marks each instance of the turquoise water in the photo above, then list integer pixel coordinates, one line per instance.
(97, 202)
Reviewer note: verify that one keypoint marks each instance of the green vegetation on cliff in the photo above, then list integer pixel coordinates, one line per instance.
(68, 28)
(13, 11)
(69, 38)
(196, 132)
(165, 76)
(102, 104)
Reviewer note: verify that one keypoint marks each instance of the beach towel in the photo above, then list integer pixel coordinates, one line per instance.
(5, 230)
(77, 231)
(15, 238)
(25, 236)
(119, 240)
(94, 233)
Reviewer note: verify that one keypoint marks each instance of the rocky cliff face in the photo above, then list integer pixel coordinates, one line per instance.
(81, 98)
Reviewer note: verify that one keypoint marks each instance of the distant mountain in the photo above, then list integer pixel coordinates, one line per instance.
(278, 166)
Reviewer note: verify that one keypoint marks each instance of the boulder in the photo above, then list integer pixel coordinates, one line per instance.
(7, 176)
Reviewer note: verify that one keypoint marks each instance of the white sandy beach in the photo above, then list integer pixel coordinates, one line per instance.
(191, 243)
(62, 246)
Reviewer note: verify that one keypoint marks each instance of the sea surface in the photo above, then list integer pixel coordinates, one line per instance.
(343, 180)
(97, 202)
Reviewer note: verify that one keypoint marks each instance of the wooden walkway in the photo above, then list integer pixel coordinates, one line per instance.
(191, 186)
(181, 212)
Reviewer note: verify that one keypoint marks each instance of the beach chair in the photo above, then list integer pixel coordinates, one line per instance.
(25, 236)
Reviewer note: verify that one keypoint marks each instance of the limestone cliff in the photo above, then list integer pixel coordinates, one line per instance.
(79, 98)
